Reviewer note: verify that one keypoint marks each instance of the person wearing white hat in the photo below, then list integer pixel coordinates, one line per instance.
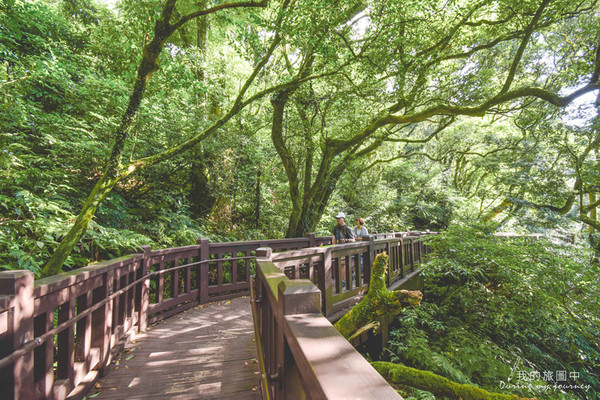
(342, 232)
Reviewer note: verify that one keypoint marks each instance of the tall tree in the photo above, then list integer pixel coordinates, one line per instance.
(424, 64)
(115, 169)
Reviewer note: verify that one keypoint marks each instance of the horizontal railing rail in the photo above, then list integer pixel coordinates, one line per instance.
(59, 334)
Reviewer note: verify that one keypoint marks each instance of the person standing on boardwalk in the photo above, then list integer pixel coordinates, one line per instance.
(342, 232)
(359, 230)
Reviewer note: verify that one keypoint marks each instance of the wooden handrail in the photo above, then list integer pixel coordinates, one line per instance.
(299, 344)
(103, 304)
(36, 342)
(293, 334)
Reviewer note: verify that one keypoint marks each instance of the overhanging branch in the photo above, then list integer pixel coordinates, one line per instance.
(243, 4)
(526, 37)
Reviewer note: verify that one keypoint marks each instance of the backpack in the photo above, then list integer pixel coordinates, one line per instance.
(343, 230)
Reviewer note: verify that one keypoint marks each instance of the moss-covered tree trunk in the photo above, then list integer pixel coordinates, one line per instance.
(114, 170)
(310, 208)
(381, 303)
(378, 303)
(438, 385)
(98, 194)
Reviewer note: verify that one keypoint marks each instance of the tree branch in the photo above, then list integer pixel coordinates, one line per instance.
(589, 221)
(561, 210)
(243, 4)
(426, 139)
(484, 155)
(398, 157)
(543, 94)
(586, 209)
(522, 46)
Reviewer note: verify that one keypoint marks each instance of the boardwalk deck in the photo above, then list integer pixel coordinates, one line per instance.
(206, 353)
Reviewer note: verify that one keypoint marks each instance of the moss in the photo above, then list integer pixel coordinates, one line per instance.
(99, 193)
(379, 302)
(435, 384)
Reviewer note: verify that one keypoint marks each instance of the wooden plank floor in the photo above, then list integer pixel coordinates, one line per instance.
(207, 352)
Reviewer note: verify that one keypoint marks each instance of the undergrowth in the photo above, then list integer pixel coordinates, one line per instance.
(509, 315)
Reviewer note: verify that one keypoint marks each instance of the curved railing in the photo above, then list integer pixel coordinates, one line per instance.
(59, 334)
(301, 355)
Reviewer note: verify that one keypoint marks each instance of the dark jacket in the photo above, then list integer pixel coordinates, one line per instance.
(342, 232)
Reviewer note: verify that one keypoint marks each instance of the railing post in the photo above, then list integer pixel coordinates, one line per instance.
(16, 380)
(204, 256)
(400, 254)
(371, 250)
(326, 282)
(411, 242)
(106, 344)
(144, 292)
(388, 250)
(294, 297)
(418, 251)
(299, 296)
(65, 357)
(311, 240)
(102, 321)
(264, 252)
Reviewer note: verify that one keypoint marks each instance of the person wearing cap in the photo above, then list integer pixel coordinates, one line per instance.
(342, 232)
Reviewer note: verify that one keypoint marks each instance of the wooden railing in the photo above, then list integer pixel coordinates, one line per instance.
(301, 355)
(59, 334)
(342, 272)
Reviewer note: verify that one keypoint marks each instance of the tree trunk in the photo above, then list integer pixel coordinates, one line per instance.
(200, 197)
(305, 218)
(378, 303)
(257, 201)
(202, 201)
(592, 198)
(279, 102)
(115, 171)
(98, 194)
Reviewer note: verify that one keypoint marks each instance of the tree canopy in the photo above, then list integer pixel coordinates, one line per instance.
(103, 108)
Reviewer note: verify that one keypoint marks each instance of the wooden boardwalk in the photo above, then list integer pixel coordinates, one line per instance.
(207, 352)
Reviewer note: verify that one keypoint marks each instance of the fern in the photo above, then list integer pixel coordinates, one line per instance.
(416, 394)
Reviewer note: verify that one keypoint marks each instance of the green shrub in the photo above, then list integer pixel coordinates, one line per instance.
(495, 309)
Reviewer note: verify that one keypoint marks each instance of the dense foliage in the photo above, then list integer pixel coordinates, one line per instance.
(159, 122)
(506, 314)
(65, 76)
(265, 120)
